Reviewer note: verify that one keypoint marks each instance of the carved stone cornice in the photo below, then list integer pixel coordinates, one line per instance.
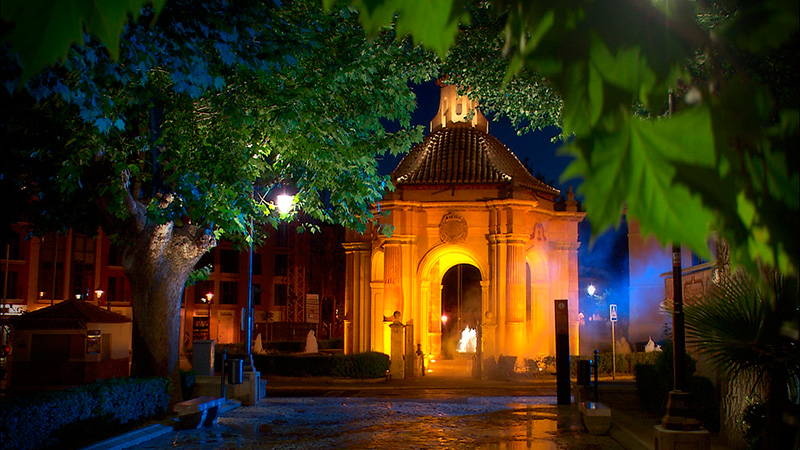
(352, 247)
(564, 245)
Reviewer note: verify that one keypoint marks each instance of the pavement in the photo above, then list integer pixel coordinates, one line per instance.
(441, 410)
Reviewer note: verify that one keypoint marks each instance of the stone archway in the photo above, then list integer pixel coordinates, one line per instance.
(462, 197)
(433, 269)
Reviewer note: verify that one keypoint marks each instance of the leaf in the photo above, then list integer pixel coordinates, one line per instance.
(43, 30)
(635, 167)
(764, 25)
(433, 24)
(627, 69)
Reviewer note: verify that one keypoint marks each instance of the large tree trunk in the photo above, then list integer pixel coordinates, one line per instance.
(157, 261)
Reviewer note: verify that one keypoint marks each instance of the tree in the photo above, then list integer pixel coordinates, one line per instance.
(668, 110)
(744, 330)
(207, 103)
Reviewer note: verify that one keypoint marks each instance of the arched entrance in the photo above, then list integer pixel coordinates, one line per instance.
(461, 311)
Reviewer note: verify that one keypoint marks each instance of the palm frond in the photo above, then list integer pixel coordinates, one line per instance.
(738, 326)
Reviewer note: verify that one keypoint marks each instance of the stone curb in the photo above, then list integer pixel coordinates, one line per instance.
(138, 436)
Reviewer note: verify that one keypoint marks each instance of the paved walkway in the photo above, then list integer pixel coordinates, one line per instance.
(429, 412)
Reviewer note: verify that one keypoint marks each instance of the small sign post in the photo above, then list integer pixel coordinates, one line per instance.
(612, 314)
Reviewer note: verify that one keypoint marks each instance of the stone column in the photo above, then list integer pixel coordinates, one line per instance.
(488, 329)
(515, 298)
(357, 300)
(396, 365)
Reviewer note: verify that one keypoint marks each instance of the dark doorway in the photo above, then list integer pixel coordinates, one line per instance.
(461, 304)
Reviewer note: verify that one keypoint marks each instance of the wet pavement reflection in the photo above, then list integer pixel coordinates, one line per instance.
(502, 423)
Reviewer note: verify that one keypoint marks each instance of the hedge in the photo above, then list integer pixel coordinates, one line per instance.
(45, 418)
(361, 365)
(655, 380)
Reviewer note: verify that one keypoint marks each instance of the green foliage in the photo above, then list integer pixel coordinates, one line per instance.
(30, 422)
(125, 400)
(193, 114)
(719, 156)
(43, 30)
(626, 362)
(755, 419)
(360, 365)
(743, 326)
(655, 381)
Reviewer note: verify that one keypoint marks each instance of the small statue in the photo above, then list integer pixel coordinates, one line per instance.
(311, 343)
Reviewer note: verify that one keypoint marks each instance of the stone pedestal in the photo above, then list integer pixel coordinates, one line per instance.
(396, 362)
(596, 417)
(582, 394)
(250, 392)
(203, 357)
(681, 440)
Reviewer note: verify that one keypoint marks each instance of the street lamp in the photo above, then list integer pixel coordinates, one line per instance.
(284, 205)
(285, 202)
(208, 299)
(99, 293)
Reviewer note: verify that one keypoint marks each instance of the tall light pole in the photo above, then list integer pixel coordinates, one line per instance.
(284, 205)
(208, 299)
(248, 312)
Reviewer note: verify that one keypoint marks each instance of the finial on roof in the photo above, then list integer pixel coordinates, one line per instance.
(572, 204)
(454, 108)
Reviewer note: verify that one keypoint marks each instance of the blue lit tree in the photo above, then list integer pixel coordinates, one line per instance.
(162, 146)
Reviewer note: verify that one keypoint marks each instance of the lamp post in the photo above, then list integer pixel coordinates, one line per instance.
(208, 299)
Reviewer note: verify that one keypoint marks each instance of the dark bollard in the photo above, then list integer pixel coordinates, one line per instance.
(584, 368)
(596, 386)
(222, 370)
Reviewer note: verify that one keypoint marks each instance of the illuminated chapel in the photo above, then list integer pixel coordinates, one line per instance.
(475, 241)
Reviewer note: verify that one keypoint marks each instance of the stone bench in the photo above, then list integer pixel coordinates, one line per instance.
(596, 417)
(198, 412)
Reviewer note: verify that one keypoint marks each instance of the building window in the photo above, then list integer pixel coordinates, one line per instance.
(51, 266)
(14, 248)
(12, 288)
(82, 268)
(256, 294)
(206, 260)
(281, 295)
(229, 292)
(201, 289)
(118, 290)
(281, 264)
(282, 235)
(256, 264)
(229, 261)
(114, 256)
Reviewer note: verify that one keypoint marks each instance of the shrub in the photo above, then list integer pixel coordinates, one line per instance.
(125, 400)
(654, 381)
(626, 362)
(362, 365)
(33, 421)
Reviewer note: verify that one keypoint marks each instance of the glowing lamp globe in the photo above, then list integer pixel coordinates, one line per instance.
(285, 203)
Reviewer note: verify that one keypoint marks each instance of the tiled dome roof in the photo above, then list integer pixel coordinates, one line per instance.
(461, 154)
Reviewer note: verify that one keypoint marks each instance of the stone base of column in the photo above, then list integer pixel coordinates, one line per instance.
(681, 440)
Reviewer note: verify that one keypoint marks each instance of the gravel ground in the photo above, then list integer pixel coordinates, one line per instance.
(374, 423)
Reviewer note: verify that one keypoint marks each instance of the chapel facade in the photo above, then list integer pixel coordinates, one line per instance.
(469, 238)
